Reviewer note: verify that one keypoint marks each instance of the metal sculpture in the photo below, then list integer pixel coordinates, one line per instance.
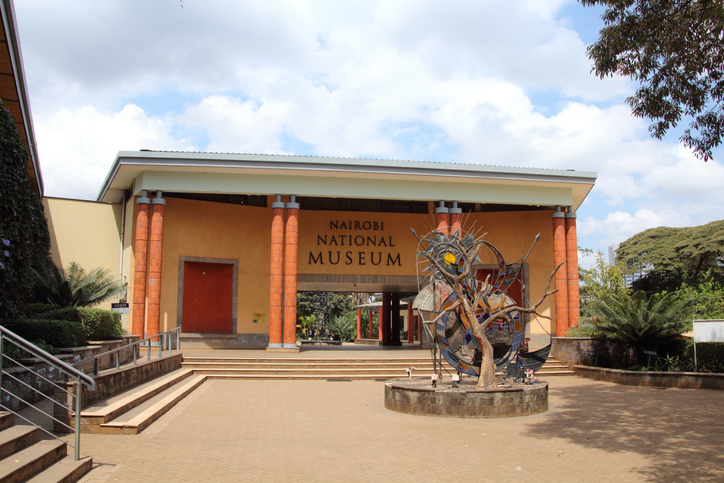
(462, 311)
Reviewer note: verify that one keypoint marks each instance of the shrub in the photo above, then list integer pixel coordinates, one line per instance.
(98, 324)
(709, 356)
(343, 328)
(32, 310)
(643, 324)
(55, 333)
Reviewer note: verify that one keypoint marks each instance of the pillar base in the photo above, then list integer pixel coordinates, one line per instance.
(294, 349)
(274, 345)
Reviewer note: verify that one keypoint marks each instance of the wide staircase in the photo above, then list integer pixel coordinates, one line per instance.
(330, 369)
(25, 456)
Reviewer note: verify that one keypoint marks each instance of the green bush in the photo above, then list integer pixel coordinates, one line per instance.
(98, 324)
(32, 310)
(54, 333)
(709, 356)
(343, 328)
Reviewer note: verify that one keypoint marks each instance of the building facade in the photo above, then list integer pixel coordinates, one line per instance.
(220, 244)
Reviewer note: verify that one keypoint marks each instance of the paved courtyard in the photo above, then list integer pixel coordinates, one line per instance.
(340, 431)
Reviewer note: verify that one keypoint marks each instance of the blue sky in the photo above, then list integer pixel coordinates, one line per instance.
(485, 82)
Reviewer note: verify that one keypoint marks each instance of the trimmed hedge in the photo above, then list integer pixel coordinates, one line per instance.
(33, 310)
(98, 324)
(56, 333)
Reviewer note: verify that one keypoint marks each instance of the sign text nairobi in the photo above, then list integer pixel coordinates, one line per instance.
(355, 243)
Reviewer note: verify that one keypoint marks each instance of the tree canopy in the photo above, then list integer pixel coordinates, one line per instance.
(674, 49)
(601, 281)
(675, 256)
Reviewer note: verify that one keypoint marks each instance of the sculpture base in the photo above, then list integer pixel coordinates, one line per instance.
(417, 396)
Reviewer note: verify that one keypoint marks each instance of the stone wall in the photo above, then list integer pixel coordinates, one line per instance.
(681, 380)
(572, 350)
(15, 382)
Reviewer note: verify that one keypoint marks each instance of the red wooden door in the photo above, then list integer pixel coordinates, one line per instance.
(207, 297)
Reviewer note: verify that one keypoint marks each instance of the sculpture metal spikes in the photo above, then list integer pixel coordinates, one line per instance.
(466, 307)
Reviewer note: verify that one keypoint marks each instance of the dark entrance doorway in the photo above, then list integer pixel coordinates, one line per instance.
(207, 297)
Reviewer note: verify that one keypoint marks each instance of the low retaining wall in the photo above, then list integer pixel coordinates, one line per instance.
(572, 350)
(418, 397)
(24, 395)
(681, 380)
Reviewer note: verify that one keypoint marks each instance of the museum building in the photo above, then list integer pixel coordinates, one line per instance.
(220, 244)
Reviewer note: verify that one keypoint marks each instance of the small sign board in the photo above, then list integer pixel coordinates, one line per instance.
(258, 318)
(711, 330)
(120, 307)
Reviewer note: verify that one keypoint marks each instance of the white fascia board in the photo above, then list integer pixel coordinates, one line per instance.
(343, 177)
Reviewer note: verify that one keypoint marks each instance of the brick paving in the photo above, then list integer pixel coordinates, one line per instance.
(302, 431)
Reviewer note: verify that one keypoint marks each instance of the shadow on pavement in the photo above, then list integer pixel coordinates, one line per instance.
(678, 431)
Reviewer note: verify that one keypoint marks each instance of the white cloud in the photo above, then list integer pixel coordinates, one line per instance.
(504, 83)
(77, 148)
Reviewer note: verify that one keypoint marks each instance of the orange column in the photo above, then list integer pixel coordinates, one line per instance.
(561, 278)
(290, 274)
(158, 208)
(419, 327)
(456, 220)
(277, 271)
(359, 323)
(442, 219)
(140, 266)
(410, 323)
(380, 323)
(574, 307)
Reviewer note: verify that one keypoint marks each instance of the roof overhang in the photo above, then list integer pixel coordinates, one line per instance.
(341, 177)
(7, 10)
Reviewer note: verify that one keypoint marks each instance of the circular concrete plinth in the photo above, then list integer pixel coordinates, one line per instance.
(417, 396)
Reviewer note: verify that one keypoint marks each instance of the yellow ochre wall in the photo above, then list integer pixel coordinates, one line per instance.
(510, 232)
(85, 232)
(225, 231)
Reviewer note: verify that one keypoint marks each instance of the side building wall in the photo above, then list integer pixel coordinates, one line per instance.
(87, 233)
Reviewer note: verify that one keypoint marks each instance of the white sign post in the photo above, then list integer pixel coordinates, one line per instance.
(711, 330)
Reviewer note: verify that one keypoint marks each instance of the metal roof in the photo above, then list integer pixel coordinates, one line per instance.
(340, 177)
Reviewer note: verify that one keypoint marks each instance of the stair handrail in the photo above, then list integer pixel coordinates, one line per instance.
(64, 368)
(136, 345)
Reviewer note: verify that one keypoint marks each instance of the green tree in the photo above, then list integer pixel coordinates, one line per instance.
(24, 240)
(674, 256)
(324, 305)
(601, 281)
(74, 287)
(708, 298)
(654, 323)
(674, 50)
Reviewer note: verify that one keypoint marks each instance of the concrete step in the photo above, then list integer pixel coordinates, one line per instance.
(30, 461)
(321, 373)
(295, 361)
(140, 417)
(323, 368)
(104, 411)
(17, 438)
(309, 366)
(67, 470)
(7, 419)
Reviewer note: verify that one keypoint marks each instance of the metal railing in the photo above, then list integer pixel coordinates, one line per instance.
(136, 347)
(69, 372)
